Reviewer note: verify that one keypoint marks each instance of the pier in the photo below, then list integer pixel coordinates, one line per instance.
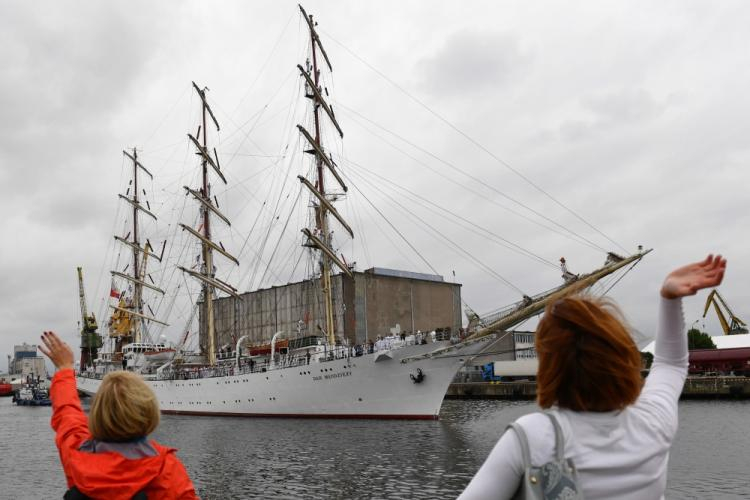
(718, 387)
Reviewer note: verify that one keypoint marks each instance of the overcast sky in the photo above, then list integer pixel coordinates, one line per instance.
(632, 115)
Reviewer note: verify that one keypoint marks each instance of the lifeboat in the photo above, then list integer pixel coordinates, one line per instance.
(265, 349)
(160, 354)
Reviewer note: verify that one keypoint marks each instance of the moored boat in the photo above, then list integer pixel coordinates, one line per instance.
(407, 382)
(32, 395)
(6, 390)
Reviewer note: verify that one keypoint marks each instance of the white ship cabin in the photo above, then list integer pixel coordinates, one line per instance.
(143, 348)
(103, 357)
(140, 354)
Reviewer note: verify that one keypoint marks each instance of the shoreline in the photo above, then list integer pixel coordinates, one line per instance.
(718, 387)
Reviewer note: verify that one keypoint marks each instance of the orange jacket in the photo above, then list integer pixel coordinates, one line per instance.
(108, 474)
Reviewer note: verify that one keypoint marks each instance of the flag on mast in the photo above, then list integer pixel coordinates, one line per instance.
(113, 292)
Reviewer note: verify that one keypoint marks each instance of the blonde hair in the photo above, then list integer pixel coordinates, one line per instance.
(124, 408)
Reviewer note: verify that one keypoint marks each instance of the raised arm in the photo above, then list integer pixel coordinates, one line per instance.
(667, 376)
(68, 420)
(671, 342)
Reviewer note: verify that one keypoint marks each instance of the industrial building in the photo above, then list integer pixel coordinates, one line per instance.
(25, 361)
(513, 351)
(376, 302)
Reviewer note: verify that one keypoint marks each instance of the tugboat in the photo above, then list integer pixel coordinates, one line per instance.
(32, 395)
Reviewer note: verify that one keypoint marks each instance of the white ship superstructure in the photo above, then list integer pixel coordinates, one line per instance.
(382, 384)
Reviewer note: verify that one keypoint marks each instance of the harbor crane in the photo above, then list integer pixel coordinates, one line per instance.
(91, 341)
(735, 325)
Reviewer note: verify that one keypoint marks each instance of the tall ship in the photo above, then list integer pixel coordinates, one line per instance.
(317, 357)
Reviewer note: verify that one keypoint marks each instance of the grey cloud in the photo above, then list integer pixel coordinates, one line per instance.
(81, 80)
(612, 110)
(627, 105)
(64, 77)
(473, 62)
(66, 211)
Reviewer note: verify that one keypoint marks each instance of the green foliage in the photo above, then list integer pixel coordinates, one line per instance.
(699, 340)
(646, 359)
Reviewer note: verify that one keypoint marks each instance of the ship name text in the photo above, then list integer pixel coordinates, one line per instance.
(333, 375)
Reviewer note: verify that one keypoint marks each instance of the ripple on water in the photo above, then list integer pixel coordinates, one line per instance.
(290, 458)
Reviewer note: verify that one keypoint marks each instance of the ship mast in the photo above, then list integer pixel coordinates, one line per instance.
(207, 275)
(321, 239)
(138, 274)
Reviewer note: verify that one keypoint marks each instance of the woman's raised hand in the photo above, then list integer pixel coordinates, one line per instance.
(57, 351)
(687, 280)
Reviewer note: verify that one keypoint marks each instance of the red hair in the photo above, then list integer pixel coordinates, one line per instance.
(587, 359)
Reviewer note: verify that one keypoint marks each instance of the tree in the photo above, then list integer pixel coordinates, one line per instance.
(699, 340)
(646, 360)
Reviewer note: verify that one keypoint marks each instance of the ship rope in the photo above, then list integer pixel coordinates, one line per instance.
(281, 235)
(437, 234)
(185, 92)
(264, 65)
(109, 254)
(271, 249)
(270, 226)
(463, 222)
(621, 277)
(563, 231)
(263, 206)
(471, 140)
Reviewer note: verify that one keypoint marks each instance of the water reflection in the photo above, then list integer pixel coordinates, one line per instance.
(297, 458)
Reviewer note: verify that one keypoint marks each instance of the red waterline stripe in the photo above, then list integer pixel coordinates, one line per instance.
(301, 415)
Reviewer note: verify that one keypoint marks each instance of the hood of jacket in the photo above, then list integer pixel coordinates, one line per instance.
(111, 475)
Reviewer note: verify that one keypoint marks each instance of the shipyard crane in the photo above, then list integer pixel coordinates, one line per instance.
(735, 325)
(91, 341)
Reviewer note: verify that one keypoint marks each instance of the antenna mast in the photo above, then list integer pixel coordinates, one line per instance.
(133, 311)
(322, 237)
(207, 275)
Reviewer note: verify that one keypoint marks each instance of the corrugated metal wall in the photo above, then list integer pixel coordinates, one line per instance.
(366, 307)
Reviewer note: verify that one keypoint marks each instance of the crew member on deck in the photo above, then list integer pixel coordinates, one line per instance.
(108, 454)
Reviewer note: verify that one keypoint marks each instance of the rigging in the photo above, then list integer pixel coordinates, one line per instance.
(473, 141)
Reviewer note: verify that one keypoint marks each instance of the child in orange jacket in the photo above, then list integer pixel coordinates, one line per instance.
(108, 455)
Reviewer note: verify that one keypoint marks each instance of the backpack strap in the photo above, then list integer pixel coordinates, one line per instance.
(559, 438)
(75, 494)
(523, 440)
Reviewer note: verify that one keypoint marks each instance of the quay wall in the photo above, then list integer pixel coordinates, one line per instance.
(722, 387)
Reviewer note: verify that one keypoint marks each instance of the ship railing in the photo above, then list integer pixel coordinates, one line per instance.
(249, 365)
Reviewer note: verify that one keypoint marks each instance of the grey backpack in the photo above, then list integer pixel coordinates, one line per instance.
(554, 480)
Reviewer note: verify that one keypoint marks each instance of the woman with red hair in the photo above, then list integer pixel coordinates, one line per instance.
(617, 431)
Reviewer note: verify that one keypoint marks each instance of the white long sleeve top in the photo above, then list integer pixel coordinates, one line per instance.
(619, 454)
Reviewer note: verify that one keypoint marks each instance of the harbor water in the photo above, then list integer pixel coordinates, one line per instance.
(292, 458)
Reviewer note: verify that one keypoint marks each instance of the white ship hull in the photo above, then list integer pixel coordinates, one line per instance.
(375, 385)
